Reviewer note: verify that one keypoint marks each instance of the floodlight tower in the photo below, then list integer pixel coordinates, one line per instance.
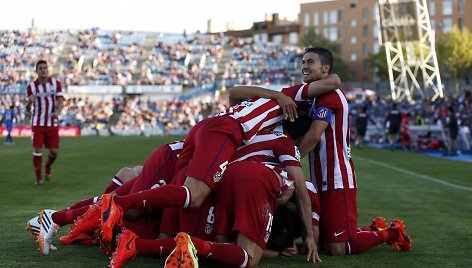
(410, 48)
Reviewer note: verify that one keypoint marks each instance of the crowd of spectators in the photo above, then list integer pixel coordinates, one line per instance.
(20, 50)
(98, 57)
(262, 64)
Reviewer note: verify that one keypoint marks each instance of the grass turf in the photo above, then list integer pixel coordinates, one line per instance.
(390, 184)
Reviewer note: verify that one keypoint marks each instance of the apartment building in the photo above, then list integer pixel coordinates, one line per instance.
(354, 25)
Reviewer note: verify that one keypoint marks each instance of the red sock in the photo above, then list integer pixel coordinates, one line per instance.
(51, 159)
(164, 196)
(83, 203)
(228, 254)
(365, 240)
(37, 162)
(142, 231)
(202, 247)
(158, 247)
(67, 216)
(115, 183)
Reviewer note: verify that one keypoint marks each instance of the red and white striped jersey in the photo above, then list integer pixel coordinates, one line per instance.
(258, 114)
(274, 149)
(45, 99)
(331, 166)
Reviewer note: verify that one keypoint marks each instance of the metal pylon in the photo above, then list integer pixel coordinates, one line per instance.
(410, 48)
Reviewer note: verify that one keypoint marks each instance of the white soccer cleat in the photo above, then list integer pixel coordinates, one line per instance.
(47, 231)
(34, 227)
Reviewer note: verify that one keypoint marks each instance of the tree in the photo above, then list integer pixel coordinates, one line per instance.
(312, 39)
(378, 62)
(455, 54)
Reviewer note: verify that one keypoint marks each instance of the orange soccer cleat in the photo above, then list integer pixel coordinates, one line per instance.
(378, 224)
(184, 255)
(125, 250)
(111, 215)
(85, 224)
(403, 242)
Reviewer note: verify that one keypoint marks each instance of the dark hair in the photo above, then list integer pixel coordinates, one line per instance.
(41, 62)
(325, 55)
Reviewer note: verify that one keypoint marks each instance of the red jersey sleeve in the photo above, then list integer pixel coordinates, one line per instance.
(329, 100)
(298, 92)
(287, 152)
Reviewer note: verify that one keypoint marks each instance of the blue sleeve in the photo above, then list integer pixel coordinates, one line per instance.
(323, 114)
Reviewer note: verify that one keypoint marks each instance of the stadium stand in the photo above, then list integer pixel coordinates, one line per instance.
(141, 83)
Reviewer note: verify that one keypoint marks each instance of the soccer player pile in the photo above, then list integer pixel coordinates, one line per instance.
(219, 194)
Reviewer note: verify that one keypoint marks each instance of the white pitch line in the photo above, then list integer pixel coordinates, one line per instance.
(429, 178)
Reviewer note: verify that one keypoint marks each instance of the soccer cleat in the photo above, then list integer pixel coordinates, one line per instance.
(111, 215)
(184, 254)
(33, 226)
(85, 224)
(47, 174)
(125, 250)
(378, 224)
(47, 230)
(81, 239)
(403, 242)
(39, 181)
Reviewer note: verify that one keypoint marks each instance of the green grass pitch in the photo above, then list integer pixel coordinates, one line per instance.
(433, 196)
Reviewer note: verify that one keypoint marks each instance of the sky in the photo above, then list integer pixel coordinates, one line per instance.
(173, 16)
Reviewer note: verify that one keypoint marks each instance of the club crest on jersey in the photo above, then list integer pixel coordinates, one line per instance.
(217, 177)
(246, 103)
(208, 228)
(278, 133)
(322, 112)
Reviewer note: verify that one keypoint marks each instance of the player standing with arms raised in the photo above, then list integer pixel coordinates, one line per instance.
(45, 94)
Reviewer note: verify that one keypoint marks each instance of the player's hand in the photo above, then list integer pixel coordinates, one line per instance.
(290, 252)
(312, 250)
(289, 108)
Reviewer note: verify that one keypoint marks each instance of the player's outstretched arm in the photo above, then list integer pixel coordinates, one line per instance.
(323, 86)
(239, 93)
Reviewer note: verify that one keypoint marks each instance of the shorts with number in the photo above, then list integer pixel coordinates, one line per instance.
(45, 136)
(199, 222)
(158, 169)
(196, 222)
(246, 201)
(338, 215)
(213, 145)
